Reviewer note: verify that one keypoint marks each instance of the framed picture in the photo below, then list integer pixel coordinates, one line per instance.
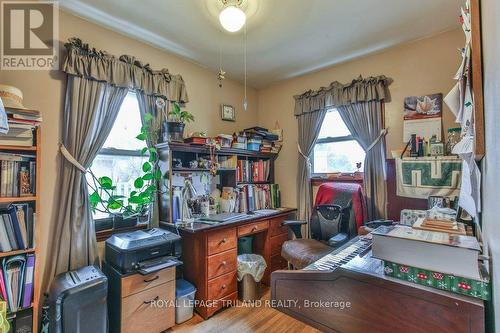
(228, 113)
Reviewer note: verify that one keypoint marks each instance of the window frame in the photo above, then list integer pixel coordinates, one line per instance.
(116, 152)
(330, 140)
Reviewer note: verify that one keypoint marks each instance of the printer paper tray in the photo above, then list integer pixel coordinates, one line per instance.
(151, 269)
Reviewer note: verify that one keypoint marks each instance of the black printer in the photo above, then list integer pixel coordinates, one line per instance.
(143, 251)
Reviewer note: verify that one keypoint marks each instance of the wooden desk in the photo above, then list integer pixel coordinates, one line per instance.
(209, 254)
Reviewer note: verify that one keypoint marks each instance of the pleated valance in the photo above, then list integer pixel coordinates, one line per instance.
(338, 94)
(125, 71)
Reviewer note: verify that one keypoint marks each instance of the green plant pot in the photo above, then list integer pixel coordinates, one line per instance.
(173, 131)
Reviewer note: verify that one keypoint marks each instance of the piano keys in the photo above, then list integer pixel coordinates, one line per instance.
(367, 300)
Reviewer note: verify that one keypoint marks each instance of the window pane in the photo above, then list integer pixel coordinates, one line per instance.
(338, 156)
(127, 126)
(333, 126)
(123, 170)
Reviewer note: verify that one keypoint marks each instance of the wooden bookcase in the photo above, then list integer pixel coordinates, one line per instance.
(187, 152)
(35, 200)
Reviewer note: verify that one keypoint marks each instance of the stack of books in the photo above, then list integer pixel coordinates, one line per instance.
(434, 259)
(256, 197)
(21, 127)
(17, 225)
(253, 171)
(17, 175)
(16, 281)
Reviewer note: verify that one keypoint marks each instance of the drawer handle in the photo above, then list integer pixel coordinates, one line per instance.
(224, 263)
(153, 300)
(153, 279)
(224, 240)
(223, 286)
(255, 228)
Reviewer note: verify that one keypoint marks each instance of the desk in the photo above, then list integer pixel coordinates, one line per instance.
(209, 254)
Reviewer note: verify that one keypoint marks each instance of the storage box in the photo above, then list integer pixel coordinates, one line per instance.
(224, 140)
(253, 146)
(184, 297)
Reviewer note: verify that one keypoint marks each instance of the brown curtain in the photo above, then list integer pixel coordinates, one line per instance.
(90, 110)
(309, 126)
(364, 120)
(356, 95)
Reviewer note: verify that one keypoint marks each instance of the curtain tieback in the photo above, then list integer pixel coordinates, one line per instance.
(308, 160)
(67, 155)
(380, 136)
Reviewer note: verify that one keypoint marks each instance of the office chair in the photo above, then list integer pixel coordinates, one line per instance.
(329, 228)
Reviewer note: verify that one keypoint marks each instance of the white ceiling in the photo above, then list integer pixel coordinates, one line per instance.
(285, 38)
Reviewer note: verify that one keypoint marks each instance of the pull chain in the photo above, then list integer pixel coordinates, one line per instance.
(245, 101)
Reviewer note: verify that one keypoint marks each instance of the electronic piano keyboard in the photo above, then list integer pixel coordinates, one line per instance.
(347, 291)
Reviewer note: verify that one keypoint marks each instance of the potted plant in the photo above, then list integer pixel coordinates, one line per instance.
(173, 128)
(126, 210)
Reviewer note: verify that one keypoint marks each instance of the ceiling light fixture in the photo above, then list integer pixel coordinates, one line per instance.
(232, 18)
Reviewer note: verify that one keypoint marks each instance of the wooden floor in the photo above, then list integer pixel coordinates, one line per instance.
(246, 319)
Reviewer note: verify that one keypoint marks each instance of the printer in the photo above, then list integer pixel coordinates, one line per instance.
(143, 251)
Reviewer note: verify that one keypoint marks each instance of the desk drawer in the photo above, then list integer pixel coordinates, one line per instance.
(277, 242)
(276, 227)
(253, 228)
(140, 316)
(222, 263)
(136, 283)
(221, 240)
(222, 286)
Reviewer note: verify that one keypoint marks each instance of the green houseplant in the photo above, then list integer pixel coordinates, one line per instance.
(136, 204)
(173, 128)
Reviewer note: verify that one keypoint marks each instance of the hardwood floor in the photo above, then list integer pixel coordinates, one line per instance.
(246, 319)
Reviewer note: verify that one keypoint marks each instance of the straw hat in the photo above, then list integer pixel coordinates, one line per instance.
(11, 97)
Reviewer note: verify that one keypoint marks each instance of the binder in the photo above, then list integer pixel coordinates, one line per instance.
(13, 269)
(4, 239)
(11, 211)
(28, 280)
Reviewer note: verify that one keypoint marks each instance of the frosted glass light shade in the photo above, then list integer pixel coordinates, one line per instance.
(232, 18)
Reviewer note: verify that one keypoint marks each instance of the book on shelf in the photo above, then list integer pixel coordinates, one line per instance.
(16, 281)
(23, 115)
(17, 175)
(17, 225)
(256, 197)
(253, 171)
(435, 251)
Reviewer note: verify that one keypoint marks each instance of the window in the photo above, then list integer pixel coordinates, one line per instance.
(120, 157)
(336, 150)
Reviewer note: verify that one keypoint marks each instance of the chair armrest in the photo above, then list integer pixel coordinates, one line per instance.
(293, 222)
(338, 240)
(295, 226)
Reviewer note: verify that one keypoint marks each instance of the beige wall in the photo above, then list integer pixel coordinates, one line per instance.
(422, 67)
(44, 91)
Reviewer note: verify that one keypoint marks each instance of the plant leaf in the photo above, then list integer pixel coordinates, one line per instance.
(144, 150)
(146, 167)
(148, 176)
(152, 157)
(148, 117)
(139, 183)
(106, 183)
(141, 137)
(157, 173)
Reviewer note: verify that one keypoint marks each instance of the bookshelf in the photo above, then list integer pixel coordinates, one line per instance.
(170, 154)
(34, 201)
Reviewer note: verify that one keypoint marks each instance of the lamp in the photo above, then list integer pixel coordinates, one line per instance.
(232, 18)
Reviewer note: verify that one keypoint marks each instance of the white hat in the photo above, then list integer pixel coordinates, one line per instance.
(11, 97)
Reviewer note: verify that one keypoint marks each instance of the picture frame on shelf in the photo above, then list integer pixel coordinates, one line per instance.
(228, 113)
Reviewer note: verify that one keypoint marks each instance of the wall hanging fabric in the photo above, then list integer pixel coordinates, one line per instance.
(425, 176)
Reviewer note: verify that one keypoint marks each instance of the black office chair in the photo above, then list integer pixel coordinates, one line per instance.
(329, 228)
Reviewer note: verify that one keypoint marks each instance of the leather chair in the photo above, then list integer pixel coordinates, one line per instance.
(329, 230)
